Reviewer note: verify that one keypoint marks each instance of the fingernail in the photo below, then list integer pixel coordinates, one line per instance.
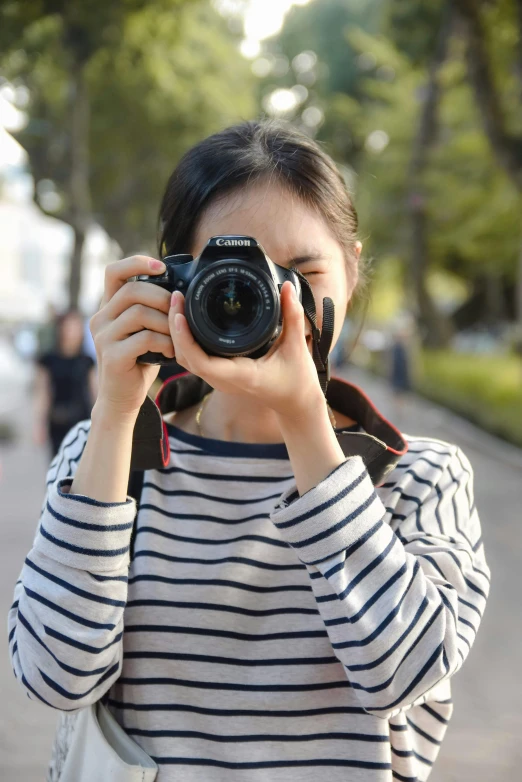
(174, 299)
(157, 265)
(177, 322)
(294, 293)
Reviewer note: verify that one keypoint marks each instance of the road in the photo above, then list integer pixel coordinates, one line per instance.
(483, 741)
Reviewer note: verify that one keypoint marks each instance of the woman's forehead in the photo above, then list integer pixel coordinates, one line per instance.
(278, 219)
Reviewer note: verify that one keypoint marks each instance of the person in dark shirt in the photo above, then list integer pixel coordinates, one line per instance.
(65, 383)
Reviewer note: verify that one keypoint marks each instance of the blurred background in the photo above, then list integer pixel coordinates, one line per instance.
(420, 104)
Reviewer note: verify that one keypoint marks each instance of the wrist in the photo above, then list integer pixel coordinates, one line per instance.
(308, 414)
(109, 416)
(312, 445)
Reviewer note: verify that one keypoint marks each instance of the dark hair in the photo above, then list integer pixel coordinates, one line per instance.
(245, 154)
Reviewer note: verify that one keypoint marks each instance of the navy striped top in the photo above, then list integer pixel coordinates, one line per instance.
(258, 634)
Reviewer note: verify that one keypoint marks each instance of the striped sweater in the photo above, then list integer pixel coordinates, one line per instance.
(259, 635)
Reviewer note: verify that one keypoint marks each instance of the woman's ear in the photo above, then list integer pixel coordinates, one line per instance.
(358, 250)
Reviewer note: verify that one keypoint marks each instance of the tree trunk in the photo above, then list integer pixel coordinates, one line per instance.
(494, 304)
(434, 329)
(506, 147)
(79, 190)
(75, 268)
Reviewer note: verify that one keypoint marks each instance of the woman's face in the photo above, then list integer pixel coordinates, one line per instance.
(289, 231)
(71, 333)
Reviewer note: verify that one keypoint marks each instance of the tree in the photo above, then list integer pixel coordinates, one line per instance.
(432, 326)
(392, 82)
(505, 142)
(118, 91)
(314, 57)
(68, 35)
(187, 80)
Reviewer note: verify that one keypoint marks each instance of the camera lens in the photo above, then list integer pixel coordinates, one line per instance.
(233, 306)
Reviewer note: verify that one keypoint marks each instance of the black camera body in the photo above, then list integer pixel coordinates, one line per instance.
(232, 297)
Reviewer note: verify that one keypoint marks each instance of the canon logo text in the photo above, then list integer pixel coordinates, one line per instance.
(233, 242)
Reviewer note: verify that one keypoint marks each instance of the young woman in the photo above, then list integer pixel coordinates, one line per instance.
(282, 617)
(65, 383)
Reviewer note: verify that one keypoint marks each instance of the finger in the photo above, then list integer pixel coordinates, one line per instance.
(177, 307)
(122, 355)
(293, 316)
(136, 318)
(177, 304)
(135, 293)
(118, 272)
(191, 356)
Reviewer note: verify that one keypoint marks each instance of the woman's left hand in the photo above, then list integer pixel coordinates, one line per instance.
(284, 379)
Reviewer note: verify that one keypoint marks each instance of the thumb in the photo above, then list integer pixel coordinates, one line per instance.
(177, 305)
(293, 313)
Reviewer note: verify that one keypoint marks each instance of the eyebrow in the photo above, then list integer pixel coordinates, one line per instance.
(302, 259)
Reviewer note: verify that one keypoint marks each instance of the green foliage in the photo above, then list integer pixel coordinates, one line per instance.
(486, 389)
(391, 108)
(412, 26)
(161, 76)
(174, 79)
(473, 209)
(84, 26)
(322, 27)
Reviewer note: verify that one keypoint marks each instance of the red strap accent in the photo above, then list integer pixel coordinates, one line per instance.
(166, 382)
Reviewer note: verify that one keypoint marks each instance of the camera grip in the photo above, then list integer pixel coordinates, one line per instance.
(155, 358)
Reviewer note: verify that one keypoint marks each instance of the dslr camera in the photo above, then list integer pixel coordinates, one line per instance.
(232, 297)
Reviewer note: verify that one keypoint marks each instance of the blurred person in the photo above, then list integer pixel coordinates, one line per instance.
(283, 612)
(400, 367)
(65, 383)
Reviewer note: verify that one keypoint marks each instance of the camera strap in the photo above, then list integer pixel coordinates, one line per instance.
(322, 339)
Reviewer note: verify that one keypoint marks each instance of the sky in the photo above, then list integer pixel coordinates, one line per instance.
(263, 19)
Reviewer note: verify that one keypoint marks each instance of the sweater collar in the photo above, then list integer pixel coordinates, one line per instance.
(380, 445)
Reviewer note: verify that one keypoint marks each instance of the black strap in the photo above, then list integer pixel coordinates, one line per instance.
(134, 490)
(322, 340)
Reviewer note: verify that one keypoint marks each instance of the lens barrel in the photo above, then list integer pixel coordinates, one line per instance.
(232, 308)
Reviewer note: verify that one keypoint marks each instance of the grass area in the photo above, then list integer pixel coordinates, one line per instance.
(485, 389)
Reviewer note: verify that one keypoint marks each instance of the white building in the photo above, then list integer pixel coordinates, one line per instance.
(35, 249)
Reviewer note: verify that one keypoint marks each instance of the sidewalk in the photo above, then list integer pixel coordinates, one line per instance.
(26, 727)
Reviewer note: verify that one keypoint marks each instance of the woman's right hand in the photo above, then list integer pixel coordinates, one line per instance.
(132, 319)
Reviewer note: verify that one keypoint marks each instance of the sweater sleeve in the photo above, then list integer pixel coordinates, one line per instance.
(66, 622)
(401, 587)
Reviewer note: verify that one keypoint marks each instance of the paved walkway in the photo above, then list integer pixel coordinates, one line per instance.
(483, 742)
(26, 727)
